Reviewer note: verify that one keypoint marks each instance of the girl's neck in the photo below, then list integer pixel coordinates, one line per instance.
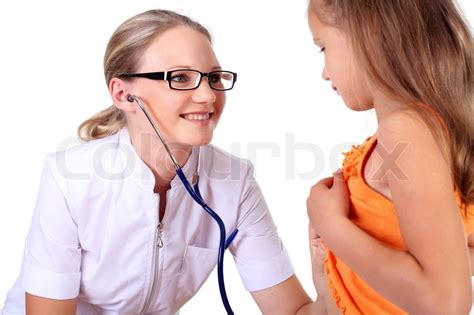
(385, 106)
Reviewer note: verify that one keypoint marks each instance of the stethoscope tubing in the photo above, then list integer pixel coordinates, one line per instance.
(196, 195)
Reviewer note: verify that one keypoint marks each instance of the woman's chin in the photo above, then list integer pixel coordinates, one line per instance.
(199, 139)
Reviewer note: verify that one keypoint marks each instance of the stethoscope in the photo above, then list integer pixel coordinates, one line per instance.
(196, 195)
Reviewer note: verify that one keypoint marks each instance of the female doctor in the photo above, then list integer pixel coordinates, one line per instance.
(114, 230)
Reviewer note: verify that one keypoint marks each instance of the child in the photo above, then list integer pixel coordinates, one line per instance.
(396, 218)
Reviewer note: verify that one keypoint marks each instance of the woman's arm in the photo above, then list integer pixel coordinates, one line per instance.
(433, 275)
(260, 256)
(36, 305)
(284, 298)
(324, 303)
(52, 257)
(289, 296)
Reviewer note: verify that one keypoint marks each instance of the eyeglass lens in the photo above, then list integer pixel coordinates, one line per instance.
(190, 79)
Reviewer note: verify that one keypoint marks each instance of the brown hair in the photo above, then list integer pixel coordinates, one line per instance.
(420, 51)
(123, 54)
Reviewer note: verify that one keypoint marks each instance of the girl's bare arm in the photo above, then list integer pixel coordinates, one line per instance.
(433, 275)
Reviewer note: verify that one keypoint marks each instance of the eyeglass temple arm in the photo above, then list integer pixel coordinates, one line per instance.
(149, 75)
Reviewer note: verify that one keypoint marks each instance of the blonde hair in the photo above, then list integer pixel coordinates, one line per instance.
(420, 51)
(123, 55)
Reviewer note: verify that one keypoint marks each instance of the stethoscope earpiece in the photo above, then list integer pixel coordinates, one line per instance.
(130, 98)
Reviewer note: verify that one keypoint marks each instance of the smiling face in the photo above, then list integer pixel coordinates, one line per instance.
(339, 64)
(182, 116)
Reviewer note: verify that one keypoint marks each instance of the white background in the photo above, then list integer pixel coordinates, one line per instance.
(281, 114)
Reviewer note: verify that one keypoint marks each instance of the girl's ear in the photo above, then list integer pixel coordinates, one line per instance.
(119, 94)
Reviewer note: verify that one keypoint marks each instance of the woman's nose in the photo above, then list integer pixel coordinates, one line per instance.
(204, 93)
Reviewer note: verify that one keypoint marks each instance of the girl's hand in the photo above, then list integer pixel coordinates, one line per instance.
(328, 202)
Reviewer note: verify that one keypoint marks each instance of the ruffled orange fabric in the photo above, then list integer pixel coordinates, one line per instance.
(376, 215)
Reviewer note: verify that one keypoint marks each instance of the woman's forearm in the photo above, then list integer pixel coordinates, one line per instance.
(36, 305)
(393, 273)
(315, 308)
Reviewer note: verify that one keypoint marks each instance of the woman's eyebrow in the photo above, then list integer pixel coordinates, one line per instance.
(182, 66)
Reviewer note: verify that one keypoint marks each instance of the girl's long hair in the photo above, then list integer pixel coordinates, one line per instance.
(420, 51)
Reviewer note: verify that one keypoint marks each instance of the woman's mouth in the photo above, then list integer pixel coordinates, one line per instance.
(198, 118)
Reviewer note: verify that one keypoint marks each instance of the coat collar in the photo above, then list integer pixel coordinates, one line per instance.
(130, 162)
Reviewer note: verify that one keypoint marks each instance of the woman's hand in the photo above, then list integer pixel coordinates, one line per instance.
(324, 304)
(327, 203)
(318, 254)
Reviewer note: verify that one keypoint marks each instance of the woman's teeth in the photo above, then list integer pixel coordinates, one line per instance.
(196, 116)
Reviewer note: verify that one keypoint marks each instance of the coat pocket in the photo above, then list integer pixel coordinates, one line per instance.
(197, 265)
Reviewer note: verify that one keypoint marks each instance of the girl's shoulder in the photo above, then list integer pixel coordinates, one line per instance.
(410, 151)
(404, 127)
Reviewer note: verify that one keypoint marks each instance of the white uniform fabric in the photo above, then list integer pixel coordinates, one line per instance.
(94, 228)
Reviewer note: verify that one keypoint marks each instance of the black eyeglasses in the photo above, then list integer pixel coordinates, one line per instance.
(188, 79)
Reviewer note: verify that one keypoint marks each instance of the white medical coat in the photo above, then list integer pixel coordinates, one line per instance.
(94, 233)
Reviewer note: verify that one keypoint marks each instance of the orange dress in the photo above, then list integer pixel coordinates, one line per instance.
(376, 215)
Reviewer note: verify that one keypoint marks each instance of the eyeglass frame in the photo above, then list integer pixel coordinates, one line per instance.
(166, 76)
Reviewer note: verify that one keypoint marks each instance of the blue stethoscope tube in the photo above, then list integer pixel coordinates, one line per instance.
(196, 195)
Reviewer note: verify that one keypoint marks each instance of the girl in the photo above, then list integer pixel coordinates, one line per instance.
(114, 230)
(396, 218)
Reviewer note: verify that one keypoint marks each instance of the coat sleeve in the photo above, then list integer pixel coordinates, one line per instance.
(258, 251)
(52, 256)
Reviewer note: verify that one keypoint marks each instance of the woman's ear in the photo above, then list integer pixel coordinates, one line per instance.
(119, 94)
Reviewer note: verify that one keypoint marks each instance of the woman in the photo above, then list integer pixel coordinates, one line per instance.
(114, 231)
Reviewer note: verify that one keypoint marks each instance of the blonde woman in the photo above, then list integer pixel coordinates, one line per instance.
(114, 230)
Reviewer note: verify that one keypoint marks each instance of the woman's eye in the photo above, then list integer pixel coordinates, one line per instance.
(180, 78)
(322, 50)
(214, 78)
